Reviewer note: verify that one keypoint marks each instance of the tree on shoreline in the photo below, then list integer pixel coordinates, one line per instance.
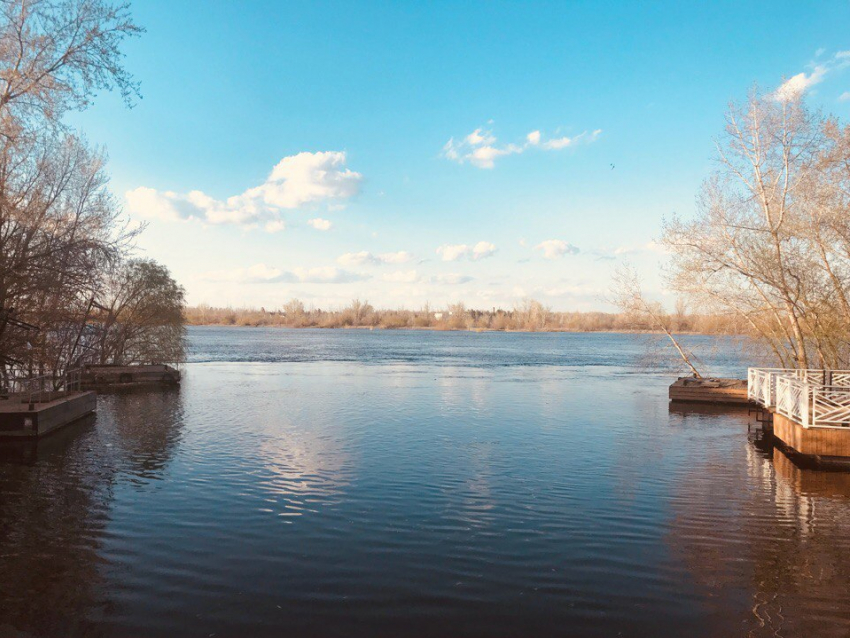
(141, 315)
(61, 230)
(627, 295)
(771, 239)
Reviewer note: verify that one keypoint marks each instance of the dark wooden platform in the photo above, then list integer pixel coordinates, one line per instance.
(20, 419)
(716, 391)
(102, 378)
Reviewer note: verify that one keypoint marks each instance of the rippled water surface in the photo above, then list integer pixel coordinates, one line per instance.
(353, 483)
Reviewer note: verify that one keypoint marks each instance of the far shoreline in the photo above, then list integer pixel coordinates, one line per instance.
(440, 329)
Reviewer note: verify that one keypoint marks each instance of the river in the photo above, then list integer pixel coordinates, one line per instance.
(417, 483)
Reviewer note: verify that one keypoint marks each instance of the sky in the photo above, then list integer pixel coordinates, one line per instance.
(436, 152)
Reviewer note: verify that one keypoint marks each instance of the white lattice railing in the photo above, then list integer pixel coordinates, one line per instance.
(761, 385)
(830, 406)
(812, 398)
(793, 398)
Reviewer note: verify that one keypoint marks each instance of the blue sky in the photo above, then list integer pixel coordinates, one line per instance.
(258, 117)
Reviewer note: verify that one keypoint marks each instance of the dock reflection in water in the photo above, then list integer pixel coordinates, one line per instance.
(55, 500)
(506, 485)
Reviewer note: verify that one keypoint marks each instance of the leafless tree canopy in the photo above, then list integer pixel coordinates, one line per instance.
(62, 235)
(627, 295)
(56, 54)
(771, 240)
(141, 315)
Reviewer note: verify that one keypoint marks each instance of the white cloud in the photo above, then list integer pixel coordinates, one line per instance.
(262, 274)
(482, 250)
(480, 137)
(628, 250)
(296, 181)
(275, 226)
(480, 149)
(454, 252)
(400, 257)
(845, 97)
(556, 144)
(555, 248)
(365, 257)
(798, 84)
(357, 259)
(320, 224)
(402, 277)
(450, 279)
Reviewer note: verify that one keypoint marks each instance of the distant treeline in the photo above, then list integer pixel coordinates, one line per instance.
(529, 316)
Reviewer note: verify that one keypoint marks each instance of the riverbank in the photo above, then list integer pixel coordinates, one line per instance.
(530, 316)
(450, 329)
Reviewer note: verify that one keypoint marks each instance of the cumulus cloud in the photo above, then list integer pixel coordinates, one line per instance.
(555, 248)
(481, 149)
(263, 274)
(320, 224)
(364, 257)
(798, 84)
(454, 252)
(295, 182)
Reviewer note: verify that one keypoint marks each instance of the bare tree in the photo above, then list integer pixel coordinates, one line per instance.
(56, 54)
(627, 295)
(769, 242)
(60, 228)
(140, 317)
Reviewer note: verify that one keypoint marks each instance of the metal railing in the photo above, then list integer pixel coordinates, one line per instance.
(812, 398)
(46, 387)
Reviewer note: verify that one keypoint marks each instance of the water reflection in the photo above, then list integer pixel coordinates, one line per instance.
(55, 499)
(779, 538)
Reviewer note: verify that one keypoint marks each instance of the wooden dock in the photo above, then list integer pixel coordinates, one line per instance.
(710, 391)
(105, 378)
(808, 410)
(22, 419)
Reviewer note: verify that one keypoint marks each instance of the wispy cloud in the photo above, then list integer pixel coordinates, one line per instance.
(481, 148)
(627, 250)
(555, 248)
(798, 84)
(845, 97)
(450, 279)
(295, 182)
(455, 252)
(263, 274)
(364, 257)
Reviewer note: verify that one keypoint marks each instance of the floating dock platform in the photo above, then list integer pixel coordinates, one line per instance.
(716, 391)
(808, 411)
(20, 419)
(104, 378)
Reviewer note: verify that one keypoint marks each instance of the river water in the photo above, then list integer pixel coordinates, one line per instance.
(414, 483)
